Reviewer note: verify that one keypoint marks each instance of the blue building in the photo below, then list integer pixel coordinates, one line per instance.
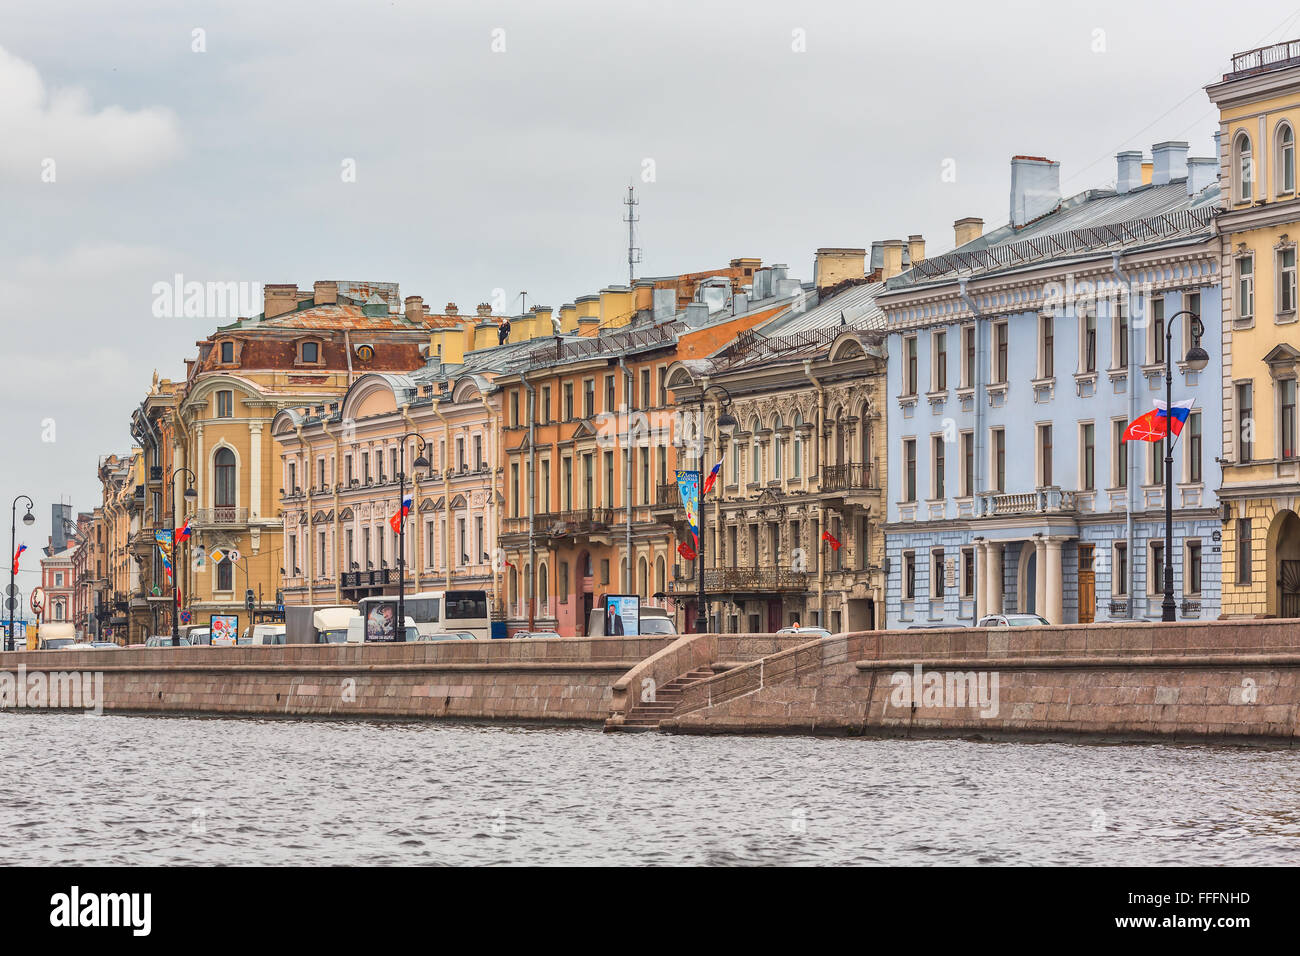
(1015, 364)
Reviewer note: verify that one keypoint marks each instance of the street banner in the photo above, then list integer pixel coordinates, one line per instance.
(163, 538)
(688, 486)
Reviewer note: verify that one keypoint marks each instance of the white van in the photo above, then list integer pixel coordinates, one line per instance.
(262, 635)
(57, 636)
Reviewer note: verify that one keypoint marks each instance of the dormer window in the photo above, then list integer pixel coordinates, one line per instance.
(227, 353)
(310, 353)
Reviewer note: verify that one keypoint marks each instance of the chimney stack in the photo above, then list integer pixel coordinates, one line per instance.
(414, 308)
(1202, 171)
(451, 309)
(1035, 188)
(893, 258)
(279, 299)
(915, 249)
(1170, 162)
(325, 293)
(967, 230)
(484, 310)
(833, 265)
(1128, 170)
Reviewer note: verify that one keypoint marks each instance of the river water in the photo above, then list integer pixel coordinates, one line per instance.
(172, 790)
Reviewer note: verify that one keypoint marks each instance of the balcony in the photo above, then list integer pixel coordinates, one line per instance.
(222, 517)
(739, 580)
(1264, 59)
(853, 476)
(667, 496)
(1042, 501)
(368, 579)
(562, 523)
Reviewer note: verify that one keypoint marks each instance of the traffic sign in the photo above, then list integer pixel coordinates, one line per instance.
(233, 555)
(217, 555)
(11, 604)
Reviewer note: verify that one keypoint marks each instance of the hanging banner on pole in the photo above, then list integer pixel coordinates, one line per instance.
(688, 486)
(163, 538)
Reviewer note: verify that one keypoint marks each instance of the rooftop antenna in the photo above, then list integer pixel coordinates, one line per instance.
(633, 252)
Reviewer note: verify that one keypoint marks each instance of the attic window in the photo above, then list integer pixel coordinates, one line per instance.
(310, 352)
(227, 353)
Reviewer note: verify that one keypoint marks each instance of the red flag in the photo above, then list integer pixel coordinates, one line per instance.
(184, 532)
(18, 554)
(710, 478)
(396, 520)
(1149, 427)
(835, 542)
(686, 551)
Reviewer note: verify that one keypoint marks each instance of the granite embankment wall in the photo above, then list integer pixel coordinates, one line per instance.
(1194, 681)
(553, 680)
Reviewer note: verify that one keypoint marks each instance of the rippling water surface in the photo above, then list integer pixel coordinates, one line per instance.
(125, 790)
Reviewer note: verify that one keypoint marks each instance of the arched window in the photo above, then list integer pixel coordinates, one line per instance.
(756, 454)
(661, 574)
(643, 578)
(797, 466)
(778, 449)
(1245, 168)
(512, 586)
(543, 587)
(225, 467)
(1285, 159)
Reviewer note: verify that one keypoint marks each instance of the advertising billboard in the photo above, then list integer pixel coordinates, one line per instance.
(381, 622)
(622, 615)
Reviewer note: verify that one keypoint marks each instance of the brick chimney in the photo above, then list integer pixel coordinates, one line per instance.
(968, 229)
(279, 299)
(484, 310)
(451, 309)
(325, 293)
(414, 308)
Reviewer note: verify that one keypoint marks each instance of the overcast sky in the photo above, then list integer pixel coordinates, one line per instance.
(773, 128)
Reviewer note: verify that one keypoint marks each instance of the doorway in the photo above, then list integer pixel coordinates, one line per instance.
(1087, 585)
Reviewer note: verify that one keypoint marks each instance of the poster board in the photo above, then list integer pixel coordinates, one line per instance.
(622, 615)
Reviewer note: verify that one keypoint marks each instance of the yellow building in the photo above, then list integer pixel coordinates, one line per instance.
(1259, 104)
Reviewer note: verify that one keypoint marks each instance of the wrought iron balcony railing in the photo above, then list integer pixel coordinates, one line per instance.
(726, 580)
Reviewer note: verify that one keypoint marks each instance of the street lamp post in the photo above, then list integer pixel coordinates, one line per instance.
(1196, 359)
(726, 425)
(176, 554)
(420, 462)
(28, 519)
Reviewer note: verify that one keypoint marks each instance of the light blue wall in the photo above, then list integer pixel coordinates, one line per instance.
(1066, 408)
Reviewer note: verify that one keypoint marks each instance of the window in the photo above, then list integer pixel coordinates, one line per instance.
(611, 402)
(227, 352)
(645, 476)
(1119, 580)
(225, 576)
(1244, 549)
(1156, 577)
(1244, 168)
(663, 389)
(1157, 471)
(1192, 574)
(645, 388)
(1156, 344)
(936, 573)
(323, 568)
(514, 409)
(998, 450)
(909, 380)
(1045, 456)
(1245, 287)
(937, 445)
(609, 479)
(967, 442)
(1046, 346)
(909, 469)
(1195, 447)
(310, 353)
(968, 356)
(1192, 304)
(588, 397)
(347, 467)
(478, 452)
(1286, 290)
(967, 572)
(1285, 159)
(225, 473)
(909, 575)
(544, 413)
(797, 443)
(1089, 351)
(514, 490)
(999, 352)
(1245, 421)
(568, 401)
(1119, 454)
(778, 449)
(1088, 457)
(1119, 337)
(225, 404)
(293, 479)
(1286, 418)
(939, 349)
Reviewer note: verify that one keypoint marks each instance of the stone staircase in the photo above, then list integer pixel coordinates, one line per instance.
(646, 716)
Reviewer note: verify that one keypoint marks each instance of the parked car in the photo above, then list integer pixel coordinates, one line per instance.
(262, 635)
(935, 627)
(1014, 620)
(165, 640)
(536, 634)
(106, 645)
(440, 636)
(811, 633)
(197, 635)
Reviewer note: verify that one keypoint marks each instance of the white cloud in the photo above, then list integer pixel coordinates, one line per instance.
(62, 125)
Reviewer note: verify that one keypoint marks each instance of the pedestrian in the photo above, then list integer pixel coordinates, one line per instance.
(503, 330)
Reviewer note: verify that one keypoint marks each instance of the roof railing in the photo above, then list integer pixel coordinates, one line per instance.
(1276, 56)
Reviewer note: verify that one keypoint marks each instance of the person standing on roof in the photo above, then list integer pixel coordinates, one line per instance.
(503, 330)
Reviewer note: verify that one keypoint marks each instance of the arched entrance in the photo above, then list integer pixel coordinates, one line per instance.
(1284, 565)
(585, 584)
(1027, 579)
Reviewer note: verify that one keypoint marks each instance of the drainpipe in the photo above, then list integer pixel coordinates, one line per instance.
(415, 495)
(1129, 530)
(627, 475)
(446, 495)
(978, 437)
(493, 530)
(347, 350)
(819, 451)
(532, 493)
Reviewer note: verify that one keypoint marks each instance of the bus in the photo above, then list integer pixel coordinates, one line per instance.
(434, 612)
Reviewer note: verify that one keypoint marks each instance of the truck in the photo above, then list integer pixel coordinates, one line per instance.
(317, 624)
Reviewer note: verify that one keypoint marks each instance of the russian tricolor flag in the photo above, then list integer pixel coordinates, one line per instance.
(396, 520)
(183, 532)
(711, 477)
(18, 554)
(1177, 414)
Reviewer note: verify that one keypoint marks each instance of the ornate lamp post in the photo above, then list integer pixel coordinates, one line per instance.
(726, 426)
(420, 462)
(176, 557)
(28, 519)
(1196, 360)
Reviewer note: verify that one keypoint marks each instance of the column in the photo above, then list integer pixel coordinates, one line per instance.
(996, 583)
(1054, 582)
(1040, 576)
(254, 469)
(981, 580)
